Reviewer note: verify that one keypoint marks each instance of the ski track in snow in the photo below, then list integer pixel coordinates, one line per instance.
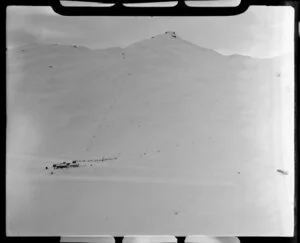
(109, 110)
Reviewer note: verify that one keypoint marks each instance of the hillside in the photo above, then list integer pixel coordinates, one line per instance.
(183, 120)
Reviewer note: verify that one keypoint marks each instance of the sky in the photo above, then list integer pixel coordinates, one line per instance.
(261, 31)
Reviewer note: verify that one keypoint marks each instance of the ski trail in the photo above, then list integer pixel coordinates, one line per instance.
(106, 114)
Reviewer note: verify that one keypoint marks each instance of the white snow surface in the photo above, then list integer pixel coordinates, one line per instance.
(198, 136)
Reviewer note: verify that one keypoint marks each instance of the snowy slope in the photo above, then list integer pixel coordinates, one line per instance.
(196, 130)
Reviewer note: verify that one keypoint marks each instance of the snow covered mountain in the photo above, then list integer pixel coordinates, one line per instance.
(174, 113)
(88, 100)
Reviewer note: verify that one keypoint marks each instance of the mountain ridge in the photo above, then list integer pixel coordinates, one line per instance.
(167, 38)
(167, 35)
